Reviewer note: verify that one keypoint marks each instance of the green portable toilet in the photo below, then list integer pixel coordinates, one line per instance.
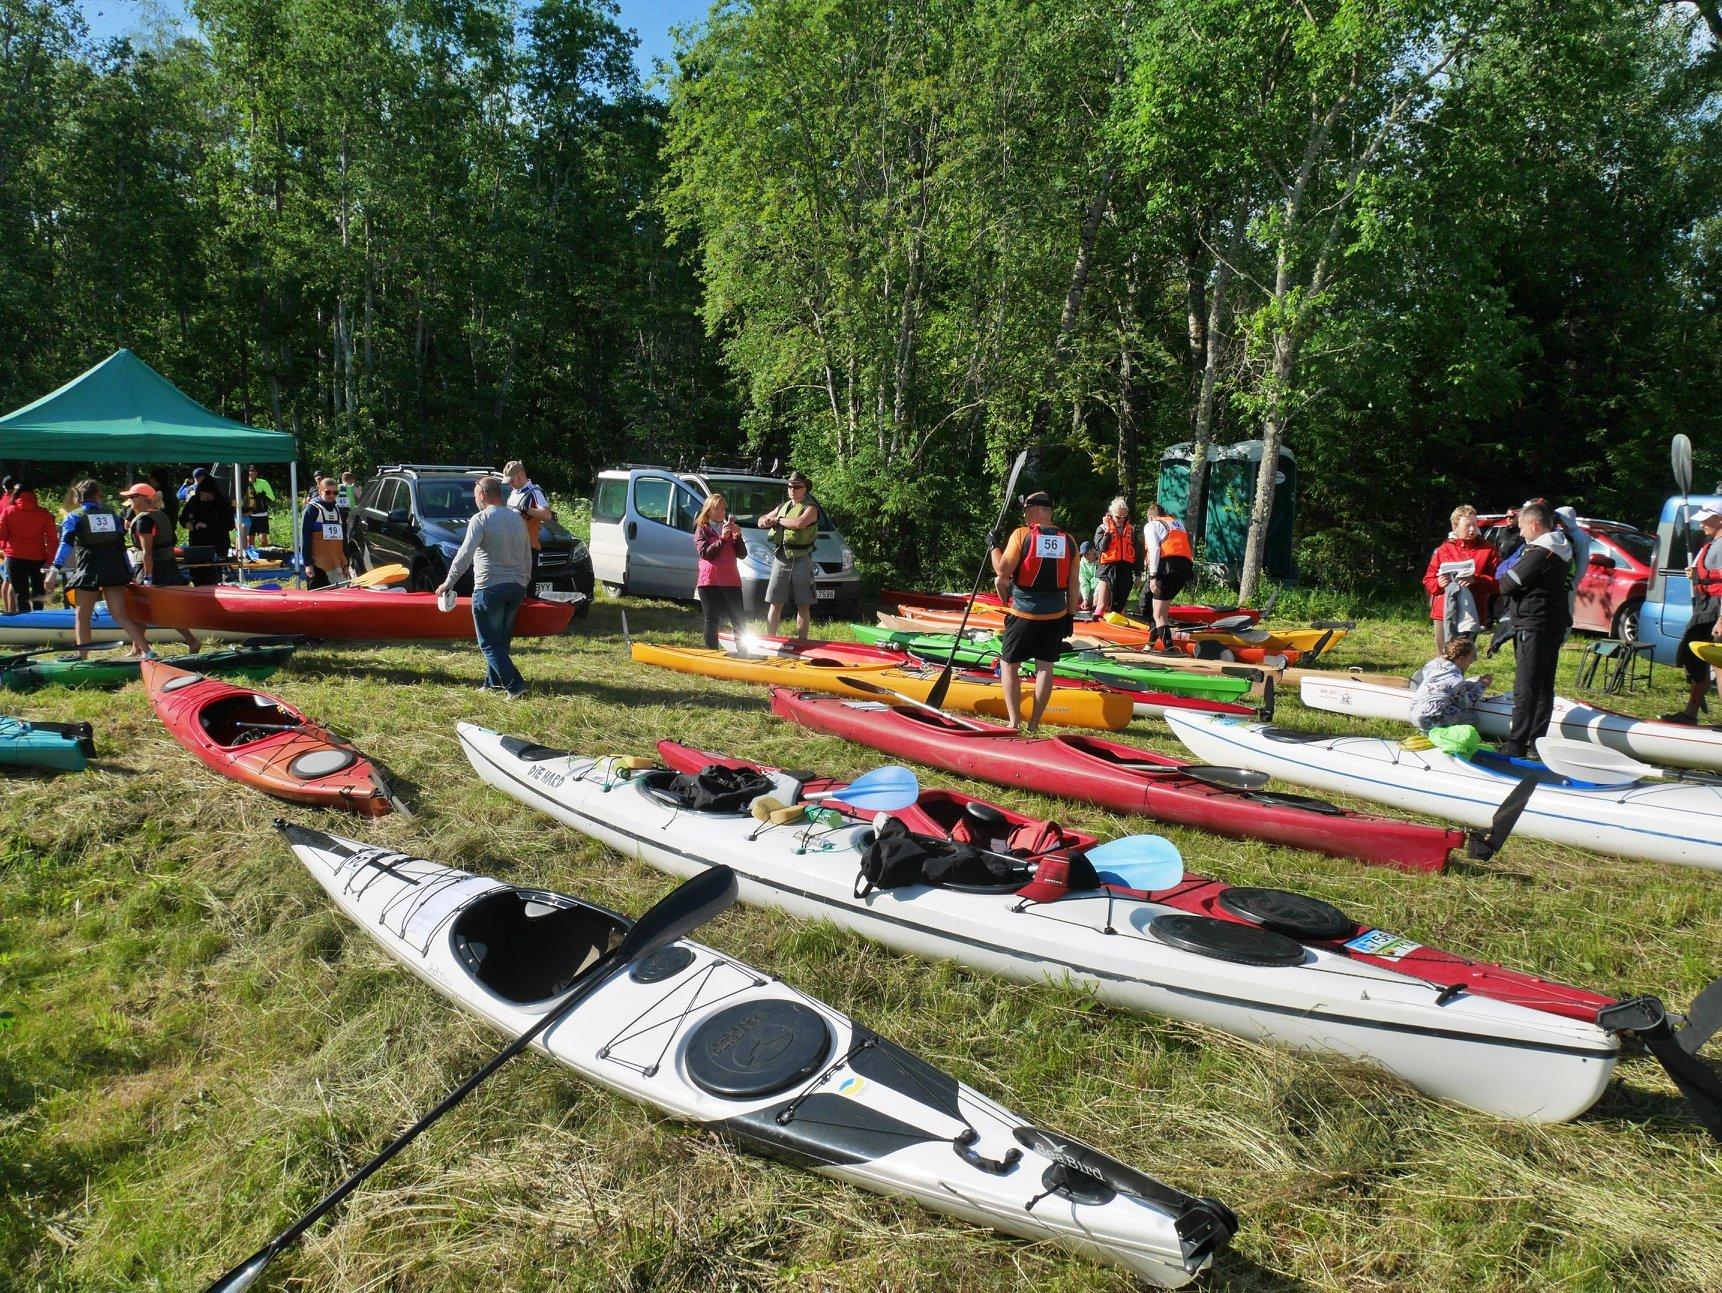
(1231, 494)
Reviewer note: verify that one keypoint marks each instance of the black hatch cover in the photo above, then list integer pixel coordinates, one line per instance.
(1224, 940)
(754, 1048)
(1296, 915)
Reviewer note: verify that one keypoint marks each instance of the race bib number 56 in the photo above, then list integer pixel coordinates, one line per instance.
(1050, 545)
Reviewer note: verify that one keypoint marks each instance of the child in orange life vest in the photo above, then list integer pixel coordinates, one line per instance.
(323, 536)
(1035, 577)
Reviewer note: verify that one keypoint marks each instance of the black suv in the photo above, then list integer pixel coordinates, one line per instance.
(415, 514)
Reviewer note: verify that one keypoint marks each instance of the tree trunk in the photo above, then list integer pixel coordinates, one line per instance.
(1202, 438)
(1073, 295)
(1273, 436)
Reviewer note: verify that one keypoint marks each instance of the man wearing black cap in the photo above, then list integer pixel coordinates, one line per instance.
(796, 523)
(1035, 576)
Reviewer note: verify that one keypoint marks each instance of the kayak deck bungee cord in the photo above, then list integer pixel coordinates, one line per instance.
(718, 1044)
(1497, 1056)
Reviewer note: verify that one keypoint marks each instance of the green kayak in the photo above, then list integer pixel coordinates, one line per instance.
(1078, 664)
(100, 671)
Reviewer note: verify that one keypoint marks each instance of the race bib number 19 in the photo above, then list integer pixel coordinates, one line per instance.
(332, 530)
(1050, 546)
(101, 523)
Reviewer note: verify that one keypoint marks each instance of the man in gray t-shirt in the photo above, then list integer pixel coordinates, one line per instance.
(498, 552)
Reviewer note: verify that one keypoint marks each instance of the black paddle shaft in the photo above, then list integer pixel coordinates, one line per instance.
(942, 685)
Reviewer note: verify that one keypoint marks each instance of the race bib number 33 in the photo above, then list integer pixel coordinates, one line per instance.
(101, 523)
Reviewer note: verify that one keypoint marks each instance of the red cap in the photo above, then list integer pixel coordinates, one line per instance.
(1051, 881)
(140, 490)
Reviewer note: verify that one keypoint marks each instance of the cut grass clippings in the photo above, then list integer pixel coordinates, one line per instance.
(194, 1045)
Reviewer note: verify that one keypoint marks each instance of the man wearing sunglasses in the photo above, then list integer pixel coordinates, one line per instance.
(323, 535)
(795, 523)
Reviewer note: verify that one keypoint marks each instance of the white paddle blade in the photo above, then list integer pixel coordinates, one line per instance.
(1581, 761)
(1680, 458)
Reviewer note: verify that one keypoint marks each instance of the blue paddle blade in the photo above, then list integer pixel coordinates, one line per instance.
(1146, 862)
(883, 790)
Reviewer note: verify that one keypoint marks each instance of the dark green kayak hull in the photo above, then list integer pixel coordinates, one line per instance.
(254, 663)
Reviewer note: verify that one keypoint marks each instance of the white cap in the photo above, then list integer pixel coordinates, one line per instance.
(1706, 513)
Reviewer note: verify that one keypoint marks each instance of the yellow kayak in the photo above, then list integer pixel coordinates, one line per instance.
(1069, 706)
(1300, 640)
(1708, 652)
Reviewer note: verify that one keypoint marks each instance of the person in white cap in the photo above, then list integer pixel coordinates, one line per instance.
(1705, 572)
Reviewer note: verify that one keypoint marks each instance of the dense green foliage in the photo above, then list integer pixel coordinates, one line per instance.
(395, 229)
(1446, 250)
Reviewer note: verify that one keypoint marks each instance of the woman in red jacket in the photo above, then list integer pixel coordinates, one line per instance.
(1465, 543)
(28, 538)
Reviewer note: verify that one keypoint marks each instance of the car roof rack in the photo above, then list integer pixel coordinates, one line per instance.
(435, 466)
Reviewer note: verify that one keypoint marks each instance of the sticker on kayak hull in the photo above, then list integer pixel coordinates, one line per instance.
(1378, 942)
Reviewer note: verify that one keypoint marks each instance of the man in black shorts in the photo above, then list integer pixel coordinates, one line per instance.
(1705, 572)
(1035, 576)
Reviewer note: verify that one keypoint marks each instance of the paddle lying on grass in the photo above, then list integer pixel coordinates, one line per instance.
(942, 685)
(1601, 766)
(1146, 862)
(861, 684)
(688, 907)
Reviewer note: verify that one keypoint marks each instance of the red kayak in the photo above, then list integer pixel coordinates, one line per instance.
(1181, 614)
(1123, 778)
(264, 742)
(952, 815)
(365, 613)
(1145, 704)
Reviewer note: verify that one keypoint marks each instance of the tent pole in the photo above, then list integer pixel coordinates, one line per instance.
(239, 521)
(293, 511)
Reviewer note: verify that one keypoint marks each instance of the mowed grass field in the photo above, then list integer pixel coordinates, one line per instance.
(194, 1046)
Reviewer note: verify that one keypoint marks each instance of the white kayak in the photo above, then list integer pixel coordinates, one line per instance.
(1675, 744)
(1658, 820)
(717, 1043)
(1497, 1056)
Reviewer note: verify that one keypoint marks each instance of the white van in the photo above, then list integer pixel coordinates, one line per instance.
(642, 536)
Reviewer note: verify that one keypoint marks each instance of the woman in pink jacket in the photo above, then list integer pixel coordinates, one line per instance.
(1465, 543)
(717, 538)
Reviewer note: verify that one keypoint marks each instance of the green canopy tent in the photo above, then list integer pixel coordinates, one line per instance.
(122, 410)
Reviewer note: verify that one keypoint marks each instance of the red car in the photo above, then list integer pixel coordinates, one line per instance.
(1622, 564)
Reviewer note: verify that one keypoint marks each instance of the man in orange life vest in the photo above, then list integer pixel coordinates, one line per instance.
(1170, 564)
(1035, 576)
(323, 535)
(1705, 572)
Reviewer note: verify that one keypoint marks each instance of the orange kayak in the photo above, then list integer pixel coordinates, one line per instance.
(264, 742)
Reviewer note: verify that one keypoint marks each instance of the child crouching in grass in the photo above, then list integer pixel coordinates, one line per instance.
(1445, 695)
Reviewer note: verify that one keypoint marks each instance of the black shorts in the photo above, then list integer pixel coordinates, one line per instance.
(1043, 640)
(1118, 576)
(1697, 672)
(1170, 577)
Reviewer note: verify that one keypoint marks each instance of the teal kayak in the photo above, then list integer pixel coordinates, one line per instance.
(65, 746)
(103, 671)
(984, 652)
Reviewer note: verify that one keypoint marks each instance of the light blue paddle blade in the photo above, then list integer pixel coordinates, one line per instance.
(1146, 862)
(882, 790)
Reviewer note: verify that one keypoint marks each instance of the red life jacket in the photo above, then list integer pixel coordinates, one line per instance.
(1706, 579)
(1040, 584)
(1176, 543)
(1120, 544)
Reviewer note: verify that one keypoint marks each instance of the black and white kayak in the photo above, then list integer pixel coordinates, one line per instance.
(717, 1043)
(1679, 745)
(1661, 820)
(1491, 1054)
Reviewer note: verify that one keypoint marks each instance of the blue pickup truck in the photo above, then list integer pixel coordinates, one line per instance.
(1668, 604)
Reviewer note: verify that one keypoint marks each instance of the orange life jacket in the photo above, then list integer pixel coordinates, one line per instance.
(1120, 544)
(1040, 584)
(1707, 579)
(1176, 543)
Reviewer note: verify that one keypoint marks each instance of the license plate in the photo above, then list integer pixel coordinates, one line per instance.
(544, 588)
(824, 594)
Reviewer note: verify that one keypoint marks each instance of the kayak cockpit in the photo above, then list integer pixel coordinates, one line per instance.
(526, 945)
(1126, 757)
(244, 717)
